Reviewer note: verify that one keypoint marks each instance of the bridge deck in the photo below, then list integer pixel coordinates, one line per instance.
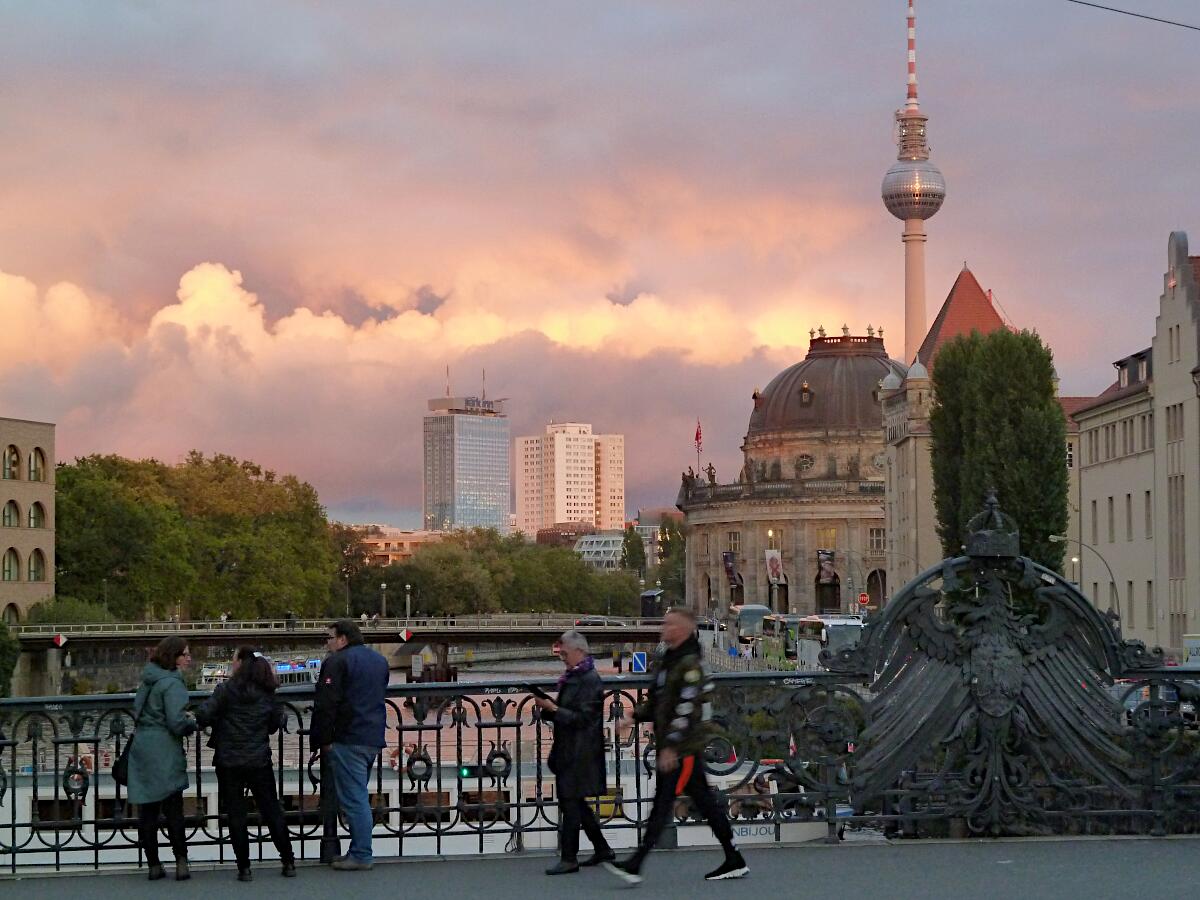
(1098, 869)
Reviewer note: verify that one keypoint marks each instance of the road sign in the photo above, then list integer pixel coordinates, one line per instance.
(639, 663)
(863, 599)
(59, 640)
(404, 634)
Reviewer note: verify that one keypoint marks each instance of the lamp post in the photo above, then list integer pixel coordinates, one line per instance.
(408, 601)
(346, 576)
(383, 601)
(1062, 538)
(1074, 563)
(770, 580)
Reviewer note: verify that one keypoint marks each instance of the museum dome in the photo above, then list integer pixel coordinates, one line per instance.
(835, 387)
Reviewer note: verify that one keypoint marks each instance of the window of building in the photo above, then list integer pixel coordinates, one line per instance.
(1112, 522)
(826, 538)
(11, 568)
(774, 537)
(877, 539)
(1150, 604)
(1070, 455)
(1141, 370)
(1129, 517)
(734, 542)
(12, 515)
(706, 548)
(1149, 517)
(37, 566)
(10, 467)
(37, 465)
(1095, 525)
(1123, 376)
(1129, 594)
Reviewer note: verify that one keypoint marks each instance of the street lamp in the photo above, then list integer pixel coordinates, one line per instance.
(1074, 563)
(408, 601)
(347, 577)
(1062, 538)
(383, 601)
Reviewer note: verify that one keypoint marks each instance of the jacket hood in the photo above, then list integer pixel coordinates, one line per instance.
(153, 673)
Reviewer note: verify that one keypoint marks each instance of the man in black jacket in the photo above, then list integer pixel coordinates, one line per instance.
(577, 757)
(679, 704)
(348, 723)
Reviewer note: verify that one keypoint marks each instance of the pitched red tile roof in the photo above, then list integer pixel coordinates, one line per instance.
(967, 308)
(1069, 406)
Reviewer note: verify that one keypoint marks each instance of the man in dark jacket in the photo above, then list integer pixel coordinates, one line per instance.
(348, 723)
(577, 757)
(678, 703)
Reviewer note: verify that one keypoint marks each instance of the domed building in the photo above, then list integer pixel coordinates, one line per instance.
(802, 528)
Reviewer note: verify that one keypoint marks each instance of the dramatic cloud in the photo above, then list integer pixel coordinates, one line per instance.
(630, 214)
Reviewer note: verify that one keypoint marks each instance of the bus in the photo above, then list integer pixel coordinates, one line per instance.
(746, 621)
(779, 637)
(830, 632)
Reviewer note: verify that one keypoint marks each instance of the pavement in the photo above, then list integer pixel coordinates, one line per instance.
(1063, 869)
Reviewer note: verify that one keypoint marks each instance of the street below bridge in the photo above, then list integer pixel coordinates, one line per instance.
(1014, 869)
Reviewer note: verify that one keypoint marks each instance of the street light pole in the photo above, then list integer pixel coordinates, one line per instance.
(347, 577)
(1112, 579)
(383, 601)
(408, 601)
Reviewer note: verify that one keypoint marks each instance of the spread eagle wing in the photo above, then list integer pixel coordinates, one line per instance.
(1068, 656)
(920, 690)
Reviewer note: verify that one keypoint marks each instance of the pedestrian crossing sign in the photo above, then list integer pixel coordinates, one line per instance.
(639, 662)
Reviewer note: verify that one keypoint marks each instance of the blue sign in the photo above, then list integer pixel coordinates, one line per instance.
(639, 662)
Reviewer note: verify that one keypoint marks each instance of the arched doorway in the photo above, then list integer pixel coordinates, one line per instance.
(782, 601)
(877, 587)
(12, 615)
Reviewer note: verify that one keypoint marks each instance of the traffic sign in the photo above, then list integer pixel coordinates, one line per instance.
(863, 599)
(404, 635)
(639, 662)
(59, 640)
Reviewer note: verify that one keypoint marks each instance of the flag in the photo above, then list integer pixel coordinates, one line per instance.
(699, 438)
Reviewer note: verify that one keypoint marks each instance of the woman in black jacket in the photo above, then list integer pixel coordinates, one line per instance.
(243, 713)
(577, 757)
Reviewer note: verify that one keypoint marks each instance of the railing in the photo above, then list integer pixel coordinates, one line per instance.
(698, 491)
(464, 772)
(500, 622)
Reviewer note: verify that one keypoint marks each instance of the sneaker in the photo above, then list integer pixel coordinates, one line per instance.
(733, 867)
(350, 864)
(596, 859)
(563, 867)
(622, 871)
(157, 871)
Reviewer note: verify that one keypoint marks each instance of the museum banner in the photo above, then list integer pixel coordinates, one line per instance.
(774, 566)
(730, 562)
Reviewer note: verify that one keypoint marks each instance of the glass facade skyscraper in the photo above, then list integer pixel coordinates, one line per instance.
(467, 478)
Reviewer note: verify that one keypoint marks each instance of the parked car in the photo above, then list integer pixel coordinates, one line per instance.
(1166, 708)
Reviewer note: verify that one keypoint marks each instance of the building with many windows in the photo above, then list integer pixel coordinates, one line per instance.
(1140, 471)
(569, 474)
(27, 517)
(466, 471)
(601, 551)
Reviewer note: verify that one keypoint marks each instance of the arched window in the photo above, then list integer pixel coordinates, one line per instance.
(37, 465)
(12, 515)
(11, 569)
(37, 516)
(12, 615)
(37, 566)
(10, 466)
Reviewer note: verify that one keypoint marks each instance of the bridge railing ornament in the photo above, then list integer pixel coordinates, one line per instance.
(989, 697)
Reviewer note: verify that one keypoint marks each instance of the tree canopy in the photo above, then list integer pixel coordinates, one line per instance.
(996, 423)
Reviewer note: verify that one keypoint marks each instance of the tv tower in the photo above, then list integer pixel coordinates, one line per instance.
(913, 190)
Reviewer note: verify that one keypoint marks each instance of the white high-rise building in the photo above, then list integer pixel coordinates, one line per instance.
(569, 474)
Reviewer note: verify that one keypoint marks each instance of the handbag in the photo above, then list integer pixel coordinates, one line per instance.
(120, 766)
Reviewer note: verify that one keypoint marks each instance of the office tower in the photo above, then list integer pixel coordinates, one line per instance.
(466, 481)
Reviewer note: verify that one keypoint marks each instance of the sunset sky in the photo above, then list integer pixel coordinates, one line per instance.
(265, 229)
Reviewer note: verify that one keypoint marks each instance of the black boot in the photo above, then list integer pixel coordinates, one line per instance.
(157, 871)
(181, 870)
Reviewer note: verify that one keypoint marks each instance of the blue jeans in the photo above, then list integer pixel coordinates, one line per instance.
(351, 775)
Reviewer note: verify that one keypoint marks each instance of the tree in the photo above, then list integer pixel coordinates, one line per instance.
(996, 423)
(10, 652)
(633, 551)
(69, 611)
(672, 569)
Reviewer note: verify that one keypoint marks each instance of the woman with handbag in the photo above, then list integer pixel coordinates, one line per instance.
(243, 713)
(157, 765)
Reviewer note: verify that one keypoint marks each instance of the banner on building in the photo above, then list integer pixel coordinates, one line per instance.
(730, 562)
(826, 574)
(774, 566)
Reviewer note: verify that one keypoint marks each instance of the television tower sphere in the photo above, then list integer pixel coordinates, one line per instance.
(913, 189)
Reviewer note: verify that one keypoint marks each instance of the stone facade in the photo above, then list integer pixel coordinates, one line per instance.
(27, 527)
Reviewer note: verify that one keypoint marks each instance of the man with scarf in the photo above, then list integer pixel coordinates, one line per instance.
(678, 703)
(577, 757)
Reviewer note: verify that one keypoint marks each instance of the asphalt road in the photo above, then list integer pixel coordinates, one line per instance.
(1018, 869)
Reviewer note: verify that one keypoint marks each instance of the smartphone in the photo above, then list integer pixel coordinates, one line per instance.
(538, 692)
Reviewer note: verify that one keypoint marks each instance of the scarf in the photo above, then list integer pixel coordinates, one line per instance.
(584, 665)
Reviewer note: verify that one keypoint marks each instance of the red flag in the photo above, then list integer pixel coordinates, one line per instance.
(699, 440)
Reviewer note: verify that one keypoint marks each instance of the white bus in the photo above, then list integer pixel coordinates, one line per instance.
(817, 633)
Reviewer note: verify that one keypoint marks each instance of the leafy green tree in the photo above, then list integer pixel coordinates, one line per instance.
(69, 611)
(996, 423)
(672, 569)
(633, 551)
(10, 652)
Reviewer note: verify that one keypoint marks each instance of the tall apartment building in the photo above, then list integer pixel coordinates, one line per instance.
(466, 473)
(570, 474)
(27, 522)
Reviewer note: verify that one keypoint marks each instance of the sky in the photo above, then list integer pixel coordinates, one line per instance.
(267, 229)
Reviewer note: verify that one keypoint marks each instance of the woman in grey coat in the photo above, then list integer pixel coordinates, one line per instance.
(157, 765)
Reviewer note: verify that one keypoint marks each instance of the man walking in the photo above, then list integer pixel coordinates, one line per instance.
(678, 704)
(348, 724)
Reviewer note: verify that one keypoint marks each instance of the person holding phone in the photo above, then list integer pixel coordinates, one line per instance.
(577, 756)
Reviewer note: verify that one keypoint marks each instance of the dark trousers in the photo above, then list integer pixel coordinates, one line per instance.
(233, 782)
(575, 813)
(172, 808)
(688, 778)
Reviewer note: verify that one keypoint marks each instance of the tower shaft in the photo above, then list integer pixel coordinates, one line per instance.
(914, 287)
